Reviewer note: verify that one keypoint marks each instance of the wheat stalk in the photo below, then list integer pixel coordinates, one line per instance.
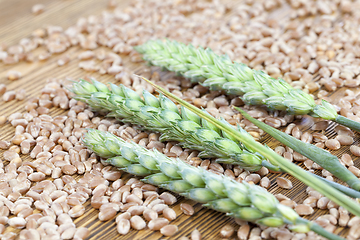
(321, 156)
(162, 115)
(220, 73)
(240, 200)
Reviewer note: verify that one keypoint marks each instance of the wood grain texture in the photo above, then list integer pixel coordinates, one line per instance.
(17, 22)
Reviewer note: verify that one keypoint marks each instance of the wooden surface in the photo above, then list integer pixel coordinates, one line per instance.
(17, 22)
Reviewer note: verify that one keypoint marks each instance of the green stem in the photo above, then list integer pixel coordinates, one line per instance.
(328, 191)
(331, 193)
(270, 166)
(348, 122)
(318, 229)
(348, 191)
(318, 155)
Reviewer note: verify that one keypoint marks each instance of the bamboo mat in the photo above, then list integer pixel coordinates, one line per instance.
(17, 22)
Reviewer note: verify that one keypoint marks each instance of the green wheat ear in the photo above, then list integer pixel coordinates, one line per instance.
(162, 115)
(240, 200)
(220, 73)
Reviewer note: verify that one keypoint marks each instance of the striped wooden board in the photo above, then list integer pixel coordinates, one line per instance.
(17, 22)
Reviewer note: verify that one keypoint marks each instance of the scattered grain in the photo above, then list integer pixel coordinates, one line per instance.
(136, 210)
(355, 150)
(107, 213)
(227, 231)
(187, 209)
(265, 182)
(169, 214)
(332, 144)
(195, 235)
(138, 223)
(17, 222)
(9, 95)
(284, 182)
(322, 202)
(77, 211)
(20, 95)
(123, 226)
(13, 75)
(37, 9)
(63, 60)
(169, 230)
(304, 210)
(344, 139)
(157, 224)
(355, 171)
(2, 89)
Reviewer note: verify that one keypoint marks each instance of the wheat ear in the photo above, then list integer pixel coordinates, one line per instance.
(162, 115)
(240, 200)
(220, 73)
